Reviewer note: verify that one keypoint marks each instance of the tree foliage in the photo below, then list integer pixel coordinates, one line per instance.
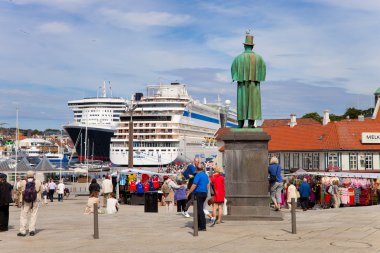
(313, 115)
(350, 112)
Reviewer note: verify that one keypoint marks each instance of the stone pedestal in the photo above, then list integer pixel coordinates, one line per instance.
(246, 170)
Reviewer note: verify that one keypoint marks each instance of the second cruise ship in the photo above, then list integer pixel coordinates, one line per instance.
(169, 126)
(95, 121)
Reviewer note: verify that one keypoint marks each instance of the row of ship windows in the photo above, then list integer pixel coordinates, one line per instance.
(92, 120)
(157, 131)
(149, 125)
(148, 145)
(143, 150)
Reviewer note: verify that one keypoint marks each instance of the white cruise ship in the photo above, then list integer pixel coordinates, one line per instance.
(95, 120)
(169, 126)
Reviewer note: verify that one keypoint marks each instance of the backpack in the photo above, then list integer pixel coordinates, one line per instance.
(165, 188)
(30, 193)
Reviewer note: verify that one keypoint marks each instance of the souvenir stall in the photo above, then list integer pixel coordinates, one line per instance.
(339, 189)
(133, 183)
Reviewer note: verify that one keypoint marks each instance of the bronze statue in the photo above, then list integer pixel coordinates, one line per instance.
(248, 69)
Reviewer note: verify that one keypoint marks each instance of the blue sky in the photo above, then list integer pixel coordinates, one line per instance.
(319, 54)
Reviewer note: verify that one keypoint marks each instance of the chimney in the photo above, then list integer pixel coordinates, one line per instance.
(326, 117)
(293, 120)
(361, 118)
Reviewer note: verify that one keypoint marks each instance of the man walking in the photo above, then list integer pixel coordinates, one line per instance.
(52, 187)
(199, 187)
(107, 189)
(60, 190)
(31, 190)
(5, 199)
(305, 191)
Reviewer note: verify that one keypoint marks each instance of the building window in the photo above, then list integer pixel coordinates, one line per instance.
(316, 161)
(307, 161)
(353, 161)
(296, 161)
(287, 162)
(332, 159)
(368, 161)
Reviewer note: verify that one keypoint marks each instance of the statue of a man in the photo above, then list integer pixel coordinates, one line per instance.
(248, 69)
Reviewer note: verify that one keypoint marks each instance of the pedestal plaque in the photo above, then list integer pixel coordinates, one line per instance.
(246, 171)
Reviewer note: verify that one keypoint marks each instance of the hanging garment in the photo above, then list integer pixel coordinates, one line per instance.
(351, 196)
(357, 195)
(345, 198)
(132, 186)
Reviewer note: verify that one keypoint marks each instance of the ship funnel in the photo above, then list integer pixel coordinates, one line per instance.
(138, 96)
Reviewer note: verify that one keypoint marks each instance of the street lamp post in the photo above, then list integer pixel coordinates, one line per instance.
(16, 146)
(60, 163)
(130, 137)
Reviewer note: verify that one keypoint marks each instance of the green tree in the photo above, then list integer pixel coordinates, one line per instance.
(334, 117)
(368, 112)
(352, 112)
(312, 115)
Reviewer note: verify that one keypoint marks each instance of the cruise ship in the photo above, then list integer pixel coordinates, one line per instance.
(95, 121)
(169, 126)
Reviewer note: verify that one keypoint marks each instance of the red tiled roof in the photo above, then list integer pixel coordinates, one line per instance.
(343, 135)
(285, 122)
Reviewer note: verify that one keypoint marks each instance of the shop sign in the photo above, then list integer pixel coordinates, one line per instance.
(371, 138)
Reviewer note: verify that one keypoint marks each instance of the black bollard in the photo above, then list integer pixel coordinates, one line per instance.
(195, 216)
(96, 223)
(294, 227)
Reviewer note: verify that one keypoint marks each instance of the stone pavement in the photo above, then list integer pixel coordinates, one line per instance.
(62, 227)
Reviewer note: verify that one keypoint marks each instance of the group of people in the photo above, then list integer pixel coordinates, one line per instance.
(26, 194)
(49, 189)
(196, 185)
(110, 204)
(321, 191)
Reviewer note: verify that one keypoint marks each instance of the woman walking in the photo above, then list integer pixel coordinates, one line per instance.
(217, 182)
(275, 178)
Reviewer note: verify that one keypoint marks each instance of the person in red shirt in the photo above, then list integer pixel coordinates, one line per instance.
(217, 182)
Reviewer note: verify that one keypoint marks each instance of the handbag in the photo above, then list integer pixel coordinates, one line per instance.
(273, 178)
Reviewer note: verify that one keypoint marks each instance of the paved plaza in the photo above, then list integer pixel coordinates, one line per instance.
(62, 227)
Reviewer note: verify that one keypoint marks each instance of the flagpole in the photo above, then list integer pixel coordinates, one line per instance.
(16, 146)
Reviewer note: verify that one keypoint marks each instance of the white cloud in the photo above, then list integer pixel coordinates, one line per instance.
(151, 18)
(225, 8)
(222, 77)
(54, 28)
(364, 5)
(59, 4)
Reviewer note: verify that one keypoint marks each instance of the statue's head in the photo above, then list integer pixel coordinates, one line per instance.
(248, 39)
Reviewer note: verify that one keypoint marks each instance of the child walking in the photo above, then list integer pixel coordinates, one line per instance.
(180, 197)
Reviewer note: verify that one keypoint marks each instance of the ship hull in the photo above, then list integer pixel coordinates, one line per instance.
(142, 159)
(99, 140)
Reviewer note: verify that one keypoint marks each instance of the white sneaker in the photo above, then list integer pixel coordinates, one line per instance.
(186, 214)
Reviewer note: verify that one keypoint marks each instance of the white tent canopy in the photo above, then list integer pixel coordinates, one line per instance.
(335, 174)
(136, 171)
